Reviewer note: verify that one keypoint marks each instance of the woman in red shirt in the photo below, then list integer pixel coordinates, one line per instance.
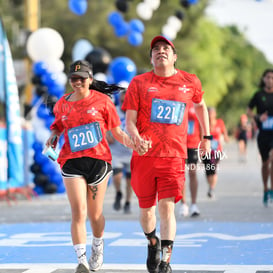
(83, 117)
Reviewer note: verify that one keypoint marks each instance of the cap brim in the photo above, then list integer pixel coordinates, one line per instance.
(80, 74)
(161, 38)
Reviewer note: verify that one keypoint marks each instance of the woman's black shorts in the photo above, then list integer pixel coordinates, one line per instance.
(92, 169)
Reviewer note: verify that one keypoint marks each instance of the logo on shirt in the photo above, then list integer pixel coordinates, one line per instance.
(92, 111)
(64, 118)
(184, 88)
(152, 89)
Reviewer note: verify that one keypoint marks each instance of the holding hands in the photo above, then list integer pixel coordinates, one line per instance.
(142, 145)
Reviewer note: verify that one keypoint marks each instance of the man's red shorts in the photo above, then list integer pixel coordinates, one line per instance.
(157, 176)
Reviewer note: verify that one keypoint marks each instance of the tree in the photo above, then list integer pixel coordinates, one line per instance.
(226, 63)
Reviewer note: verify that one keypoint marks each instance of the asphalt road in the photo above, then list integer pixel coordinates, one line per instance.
(238, 201)
(238, 197)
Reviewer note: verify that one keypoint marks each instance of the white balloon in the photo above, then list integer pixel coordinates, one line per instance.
(144, 11)
(169, 32)
(55, 65)
(174, 22)
(80, 49)
(154, 4)
(61, 78)
(100, 76)
(44, 44)
(124, 84)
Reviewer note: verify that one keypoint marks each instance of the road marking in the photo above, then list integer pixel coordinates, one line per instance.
(47, 268)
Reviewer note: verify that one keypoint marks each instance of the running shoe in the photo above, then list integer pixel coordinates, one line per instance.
(153, 258)
(96, 259)
(127, 207)
(194, 210)
(183, 210)
(117, 204)
(164, 268)
(211, 194)
(271, 195)
(265, 199)
(81, 268)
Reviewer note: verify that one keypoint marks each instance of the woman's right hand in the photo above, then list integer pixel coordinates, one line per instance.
(52, 141)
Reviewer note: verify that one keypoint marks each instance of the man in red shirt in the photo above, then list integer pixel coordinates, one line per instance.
(156, 105)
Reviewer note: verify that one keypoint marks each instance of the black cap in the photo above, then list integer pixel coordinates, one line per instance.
(80, 68)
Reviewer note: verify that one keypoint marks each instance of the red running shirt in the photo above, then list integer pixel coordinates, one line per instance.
(162, 106)
(97, 109)
(194, 133)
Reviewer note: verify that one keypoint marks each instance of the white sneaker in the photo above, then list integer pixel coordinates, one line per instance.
(81, 268)
(194, 211)
(183, 210)
(211, 194)
(96, 259)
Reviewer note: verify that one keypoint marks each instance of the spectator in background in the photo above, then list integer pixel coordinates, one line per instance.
(121, 157)
(242, 134)
(193, 140)
(262, 100)
(219, 133)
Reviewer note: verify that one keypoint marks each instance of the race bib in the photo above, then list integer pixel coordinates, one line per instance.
(214, 144)
(190, 127)
(268, 124)
(84, 137)
(167, 111)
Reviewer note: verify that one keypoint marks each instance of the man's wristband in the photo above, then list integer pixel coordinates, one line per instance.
(208, 137)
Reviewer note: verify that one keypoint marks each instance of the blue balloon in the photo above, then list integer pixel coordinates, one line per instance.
(135, 38)
(80, 49)
(48, 167)
(122, 30)
(40, 158)
(56, 178)
(37, 147)
(49, 120)
(56, 90)
(39, 68)
(79, 7)
(122, 69)
(48, 79)
(42, 111)
(60, 188)
(39, 190)
(192, 2)
(137, 25)
(115, 19)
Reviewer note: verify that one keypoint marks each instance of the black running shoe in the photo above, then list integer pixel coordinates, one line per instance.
(153, 258)
(117, 204)
(127, 208)
(164, 268)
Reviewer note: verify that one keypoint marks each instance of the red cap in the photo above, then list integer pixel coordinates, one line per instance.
(161, 38)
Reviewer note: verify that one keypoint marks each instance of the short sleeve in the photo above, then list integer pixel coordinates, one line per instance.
(131, 100)
(252, 102)
(198, 93)
(112, 119)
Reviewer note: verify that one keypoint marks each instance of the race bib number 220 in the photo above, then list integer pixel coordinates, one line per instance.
(84, 137)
